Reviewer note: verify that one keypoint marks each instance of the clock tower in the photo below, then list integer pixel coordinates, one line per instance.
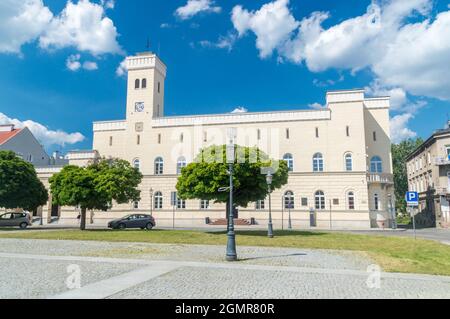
(145, 93)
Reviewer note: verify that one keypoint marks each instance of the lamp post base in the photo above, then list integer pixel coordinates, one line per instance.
(231, 247)
(270, 233)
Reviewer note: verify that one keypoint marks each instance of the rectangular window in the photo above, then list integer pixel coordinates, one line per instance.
(181, 203)
(317, 132)
(138, 141)
(260, 205)
(110, 141)
(335, 201)
(181, 138)
(288, 134)
(348, 131)
(136, 205)
(374, 136)
(204, 204)
(159, 138)
(304, 201)
(259, 134)
(159, 87)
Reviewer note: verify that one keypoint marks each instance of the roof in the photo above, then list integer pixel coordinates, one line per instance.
(5, 136)
(428, 142)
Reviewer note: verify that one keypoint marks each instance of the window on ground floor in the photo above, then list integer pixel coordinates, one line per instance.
(319, 200)
(260, 205)
(204, 204)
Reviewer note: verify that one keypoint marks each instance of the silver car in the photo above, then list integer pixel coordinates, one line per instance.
(22, 220)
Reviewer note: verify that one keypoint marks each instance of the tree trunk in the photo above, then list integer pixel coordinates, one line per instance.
(83, 219)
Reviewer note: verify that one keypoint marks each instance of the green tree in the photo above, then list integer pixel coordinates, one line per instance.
(96, 186)
(209, 172)
(399, 154)
(19, 185)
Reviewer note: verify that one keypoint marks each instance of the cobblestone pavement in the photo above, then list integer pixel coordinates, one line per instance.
(39, 269)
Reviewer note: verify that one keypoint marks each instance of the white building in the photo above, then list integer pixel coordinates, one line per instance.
(339, 156)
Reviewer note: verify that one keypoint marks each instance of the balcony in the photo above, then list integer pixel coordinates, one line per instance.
(442, 161)
(443, 191)
(378, 178)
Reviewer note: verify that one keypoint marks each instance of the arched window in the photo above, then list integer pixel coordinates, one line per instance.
(158, 200)
(318, 162)
(348, 162)
(144, 83)
(137, 84)
(319, 198)
(376, 165)
(181, 163)
(159, 166)
(137, 164)
(351, 200)
(289, 200)
(290, 161)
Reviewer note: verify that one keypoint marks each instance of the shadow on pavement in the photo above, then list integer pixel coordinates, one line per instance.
(270, 257)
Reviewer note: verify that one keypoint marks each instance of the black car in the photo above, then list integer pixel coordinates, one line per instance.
(133, 221)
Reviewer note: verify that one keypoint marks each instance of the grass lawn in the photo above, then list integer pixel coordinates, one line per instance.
(393, 254)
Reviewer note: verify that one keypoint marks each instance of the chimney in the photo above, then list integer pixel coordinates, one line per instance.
(7, 128)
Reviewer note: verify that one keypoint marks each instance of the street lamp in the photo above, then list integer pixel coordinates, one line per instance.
(290, 207)
(231, 235)
(151, 201)
(269, 180)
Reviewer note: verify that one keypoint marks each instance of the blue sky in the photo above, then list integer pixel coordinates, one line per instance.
(59, 67)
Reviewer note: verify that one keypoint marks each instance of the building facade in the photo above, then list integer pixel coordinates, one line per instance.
(24, 144)
(339, 157)
(429, 175)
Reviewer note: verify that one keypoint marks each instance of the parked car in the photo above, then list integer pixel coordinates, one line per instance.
(133, 221)
(22, 220)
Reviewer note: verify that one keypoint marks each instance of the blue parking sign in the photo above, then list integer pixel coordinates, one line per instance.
(412, 199)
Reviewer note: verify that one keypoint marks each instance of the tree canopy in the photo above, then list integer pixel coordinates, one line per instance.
(96, 186)
(19, 185)
(399, 154)
(209, 172)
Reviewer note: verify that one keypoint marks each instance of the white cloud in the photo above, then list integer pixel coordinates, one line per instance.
(73, 62)
(21, 22)
(272, 24)
(418, 59)
(239, 109)
(224, 42)
(398, 95)
(317, 106)
(165, 26)
(43, 134)
(194, 7)
(122, 68)
(406, 55)
(399, 129)
(108, 4)
(84, 26)
(90, 66)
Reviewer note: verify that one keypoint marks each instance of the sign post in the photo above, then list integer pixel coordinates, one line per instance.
(412, 200)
